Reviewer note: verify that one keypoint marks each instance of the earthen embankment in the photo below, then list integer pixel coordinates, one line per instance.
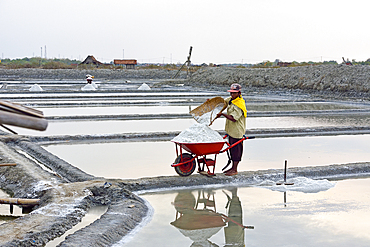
(338, 79)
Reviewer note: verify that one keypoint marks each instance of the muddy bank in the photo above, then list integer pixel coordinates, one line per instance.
(350, 81)
(78, 74)
(63, 204)
(341, 80)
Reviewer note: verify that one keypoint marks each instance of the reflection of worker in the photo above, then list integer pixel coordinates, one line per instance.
(234, 234)
(235, 125)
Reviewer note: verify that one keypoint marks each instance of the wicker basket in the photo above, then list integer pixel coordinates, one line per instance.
(209, 106)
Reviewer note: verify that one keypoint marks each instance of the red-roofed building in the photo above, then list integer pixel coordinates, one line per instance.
(130, 63)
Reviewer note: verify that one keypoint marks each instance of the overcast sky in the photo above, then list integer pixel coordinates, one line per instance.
(232, 31)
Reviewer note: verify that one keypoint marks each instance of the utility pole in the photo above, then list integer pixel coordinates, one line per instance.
(45, 52)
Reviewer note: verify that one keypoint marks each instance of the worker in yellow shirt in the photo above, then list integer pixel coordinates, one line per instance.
(235, 125)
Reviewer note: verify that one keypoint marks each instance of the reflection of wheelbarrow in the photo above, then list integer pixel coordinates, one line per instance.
(185, 163)
(189, 217)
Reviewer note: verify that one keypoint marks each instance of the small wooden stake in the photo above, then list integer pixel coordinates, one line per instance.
(285, 169)
(10, 164)
(19, 201)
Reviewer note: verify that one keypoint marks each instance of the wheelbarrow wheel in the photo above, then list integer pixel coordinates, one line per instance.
(186, 169)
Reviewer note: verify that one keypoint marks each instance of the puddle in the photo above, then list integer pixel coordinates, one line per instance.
(150, 159)
(92, 215)
(335, 217)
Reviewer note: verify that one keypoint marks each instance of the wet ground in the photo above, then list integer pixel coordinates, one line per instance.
(73, 113)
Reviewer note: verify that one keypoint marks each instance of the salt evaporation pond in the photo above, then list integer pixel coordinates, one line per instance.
(128, 126)
(117, 110)
(335, 216)
(150, 159)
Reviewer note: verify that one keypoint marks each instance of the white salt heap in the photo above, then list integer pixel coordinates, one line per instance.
(198, 133)
(94, 85)
(144, 86)
(36, 88)
(88, 87)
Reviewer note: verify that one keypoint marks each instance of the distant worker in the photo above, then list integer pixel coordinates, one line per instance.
(235, 125)
(89, 78)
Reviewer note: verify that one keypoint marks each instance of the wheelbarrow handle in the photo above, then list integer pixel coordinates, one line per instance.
(236, 143)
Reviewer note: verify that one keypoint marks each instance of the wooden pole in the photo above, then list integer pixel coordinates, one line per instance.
(23, 121)
(11, 164)
(188, 61)
(286, 163)
(19, 201)
(8, 129)
(285, 170)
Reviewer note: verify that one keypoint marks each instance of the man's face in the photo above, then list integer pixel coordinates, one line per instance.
(234, 95)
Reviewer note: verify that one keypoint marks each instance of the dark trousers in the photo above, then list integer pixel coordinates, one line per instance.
(237, 151)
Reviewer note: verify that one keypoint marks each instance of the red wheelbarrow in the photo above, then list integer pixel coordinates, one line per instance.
(185, 163)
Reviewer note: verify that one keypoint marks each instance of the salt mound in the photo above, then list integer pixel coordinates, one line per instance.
(94, 85)
(88, 87)
(36, 88)
(144, 86)
(198, 133)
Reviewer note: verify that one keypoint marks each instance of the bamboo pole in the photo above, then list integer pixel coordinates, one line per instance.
(10, 164)
(19, 201)
(23, 121)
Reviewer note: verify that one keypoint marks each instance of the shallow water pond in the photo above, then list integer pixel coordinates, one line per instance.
(149, 159)
(118, 110)
(167, 125)
(213, 217)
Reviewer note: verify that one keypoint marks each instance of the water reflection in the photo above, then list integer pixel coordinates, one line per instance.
(199, 220)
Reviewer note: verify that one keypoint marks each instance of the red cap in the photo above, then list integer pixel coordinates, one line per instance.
(235, 88)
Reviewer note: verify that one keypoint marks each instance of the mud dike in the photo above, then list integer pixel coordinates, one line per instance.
(67, 192)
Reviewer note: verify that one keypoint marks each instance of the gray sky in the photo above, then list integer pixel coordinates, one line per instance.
(232, 31)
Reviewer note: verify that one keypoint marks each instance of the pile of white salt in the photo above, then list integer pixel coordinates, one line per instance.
(144, 86)
(36, 88)
(198, 133)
